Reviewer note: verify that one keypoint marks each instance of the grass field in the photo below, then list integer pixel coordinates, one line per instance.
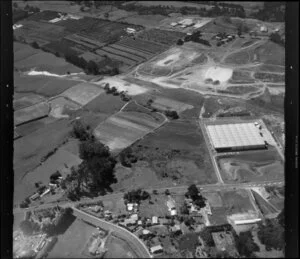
(176, 152)
(105, 103)
(42, 85)
(225, 203)
(62, 161)
(29, 150)
(159, 208)
(124, 128)
(25, 101)
(147, 21)
(263, 205)
(254, 166)
(71, 244)
(53, 65)
(189, 242)
(119, 248)
(30, 113)
(83, 93)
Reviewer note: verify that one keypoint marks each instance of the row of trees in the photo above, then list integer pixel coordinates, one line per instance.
(136, 196)
(271, 11)
(95, 174)
(275, 37)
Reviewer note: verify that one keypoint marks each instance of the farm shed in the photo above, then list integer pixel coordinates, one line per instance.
(236, 136)
(156, 249)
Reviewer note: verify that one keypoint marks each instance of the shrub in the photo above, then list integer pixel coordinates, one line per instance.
(172, 114)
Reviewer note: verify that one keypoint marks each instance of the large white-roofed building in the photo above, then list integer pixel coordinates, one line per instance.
(235, 136)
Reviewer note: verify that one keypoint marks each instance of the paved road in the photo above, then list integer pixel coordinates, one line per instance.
(176, 190)
(135, 243)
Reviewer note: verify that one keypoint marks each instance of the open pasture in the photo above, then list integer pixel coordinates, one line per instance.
(42, 85)
(124, 128)
(61, 161)
(219, 24)
(118, 248)
(161, 36)
(82, 93)
(142, 45)
(30, 113)
(164, 104)
(252, 166)
(27, 100)
(177, 152)
(59, 105)
(148, 21)
(23, 51)
(53, 65)
(72, 243)
(241, 77)
(30, 149)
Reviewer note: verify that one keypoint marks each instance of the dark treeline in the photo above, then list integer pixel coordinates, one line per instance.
(272, 12)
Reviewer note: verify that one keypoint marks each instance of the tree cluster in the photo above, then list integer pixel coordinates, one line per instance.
(29, 227)
(206, 235)
(81, 131)
(271, 11)
(95, 174)
(172, 114)
(195, 195)
(135, 196)
(246, 245)
(271, 234)
(127, 157)
(275, 37)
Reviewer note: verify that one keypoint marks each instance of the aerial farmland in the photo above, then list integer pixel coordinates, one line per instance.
(147, 129)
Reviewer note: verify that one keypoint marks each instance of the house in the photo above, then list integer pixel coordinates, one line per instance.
(173, 212)
(45, 192)
(130, 30)
(263, 28)
(35, 196)
(154, 220)
(132, 206)
(156, 249)
(146, 232)
(163, 221)
(175, 228)
(140, 223)
(96, 208)
(134, 217)
(173, 24)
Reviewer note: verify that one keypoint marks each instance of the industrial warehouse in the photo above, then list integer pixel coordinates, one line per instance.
(234, 137)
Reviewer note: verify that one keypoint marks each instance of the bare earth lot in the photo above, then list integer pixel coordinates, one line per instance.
(256, 166)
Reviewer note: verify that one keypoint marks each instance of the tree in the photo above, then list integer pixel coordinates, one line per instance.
(207, 237)
(184, 209)
(271, 234)
(246, 245)
(55, 176)
(81, 131)
(193, 192)
(172, 114)
(167, 192)
(180, 42)
(35, 45)
(275, 37)
(92, 67)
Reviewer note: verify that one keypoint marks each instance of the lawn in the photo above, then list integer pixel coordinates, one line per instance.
(158, 208)
(188, 242)
(118, 248)
(71, 244)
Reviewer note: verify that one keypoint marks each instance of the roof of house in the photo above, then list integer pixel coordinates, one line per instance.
(156, 248)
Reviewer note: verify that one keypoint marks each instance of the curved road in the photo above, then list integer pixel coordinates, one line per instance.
(135, 243)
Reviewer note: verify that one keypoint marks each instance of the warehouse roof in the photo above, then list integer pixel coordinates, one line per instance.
(234, 135)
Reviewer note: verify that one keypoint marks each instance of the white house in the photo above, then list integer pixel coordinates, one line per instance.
(263, 28)
(154, 220)
(156, 249)
(130, 30)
